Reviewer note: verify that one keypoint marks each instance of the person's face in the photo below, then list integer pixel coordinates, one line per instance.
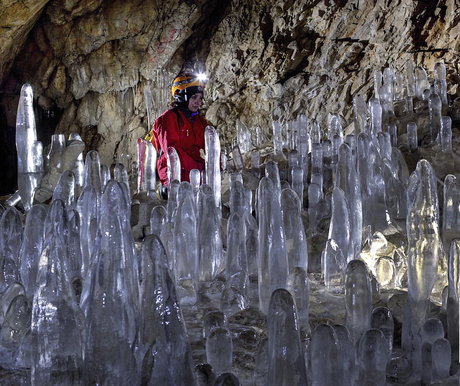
(194, 102)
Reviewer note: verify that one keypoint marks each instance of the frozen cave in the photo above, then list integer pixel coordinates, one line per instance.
(321, 246)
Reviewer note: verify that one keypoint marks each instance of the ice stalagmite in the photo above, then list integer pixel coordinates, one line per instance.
(441, 357)
(174, 166)
(440, 84)
(15, 331)
(10, 245)
(424, 250)
(317, 166)
(382, 319)
(412, 137)
(286, 365)
(372, 358)
(359, 113)
(186, 250)
(370, 169)
(324, 349)
(340, 228)
(30, 161)
(88, 210)
(57, 321)
(435, 107)
(346, 355)
(209, 235)
(65, 189)
(273, 264)
(238, 202)
(150, 169)
(157, 220)
(333, 264)
(299, 287)
(296, 241)
(348, 180)
(445, 135)
(112, 300)
(277, 137)
(451, 210)
(92, 175)
(120, 174)
(236, 245)
(422, 84)
(212, 148)
(219, 350)
(453, 295)
(168, 357)
(357, 299)
(375, 113)
(31, 247)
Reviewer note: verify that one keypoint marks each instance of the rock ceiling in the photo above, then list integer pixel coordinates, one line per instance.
(91, 60)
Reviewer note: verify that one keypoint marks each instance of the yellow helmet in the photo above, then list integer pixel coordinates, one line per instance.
(186, 85)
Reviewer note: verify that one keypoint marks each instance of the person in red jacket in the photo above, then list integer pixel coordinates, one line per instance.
(181, 127)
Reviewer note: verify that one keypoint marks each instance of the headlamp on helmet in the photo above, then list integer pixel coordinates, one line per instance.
(186, 85)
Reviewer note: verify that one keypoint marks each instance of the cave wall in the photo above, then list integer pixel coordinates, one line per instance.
(90, 60)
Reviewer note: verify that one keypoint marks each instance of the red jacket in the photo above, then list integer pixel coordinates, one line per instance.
(174, 129)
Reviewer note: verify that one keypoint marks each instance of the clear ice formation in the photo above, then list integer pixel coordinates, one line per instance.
(372, 358)
(79, 270)
(212, 163)
(30, 151)
(357, 299)
(219, 350)
(164, 351)
(147, 159)
(57, 321)
(286, 364)
(174, 166)
(424, 251)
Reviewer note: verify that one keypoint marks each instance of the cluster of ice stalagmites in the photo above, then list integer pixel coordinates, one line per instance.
(93, 294)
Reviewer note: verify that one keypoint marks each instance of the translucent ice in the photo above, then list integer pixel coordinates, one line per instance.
(286, 364)
(412, 139)
(453, 292)
(219, 350)
(348, 180)
(273, 264)
(174, 166)
(324, 349)
(333, 265)
(57, 321)
(209, 235)
(372, 358)
(31, 247)
(424, 250)
(435, 107)
(111, 303)
(93, 171)
(168, 359)
(445, 134)
(340, 228)
(296, 241)
(298, 286)
(65, 189)
(440, 84)
(30, 161)
(357, 299)
(186, 250)
(382, 319)
(212, 145)
(10, 244)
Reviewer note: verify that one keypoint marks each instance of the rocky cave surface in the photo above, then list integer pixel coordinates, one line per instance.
(89, 61)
